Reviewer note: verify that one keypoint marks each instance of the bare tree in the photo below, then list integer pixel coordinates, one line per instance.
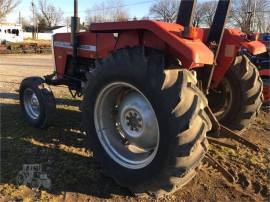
(97, 13)
(50, 13)
(260, 21)
(209, 10)
(249, 15)
(104, 12)
(198, 15)
(204, 13)
(118, 13)
(165, 10)
(7, 6)
(24, 22)
(264, 23)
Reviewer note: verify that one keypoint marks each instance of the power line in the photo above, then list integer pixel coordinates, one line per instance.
(109, 8)
(263, 11)
(121, 6)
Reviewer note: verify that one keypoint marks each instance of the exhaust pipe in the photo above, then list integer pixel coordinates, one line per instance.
(75, 28)
(186, 12)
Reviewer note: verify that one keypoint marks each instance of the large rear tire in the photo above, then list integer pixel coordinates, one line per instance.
(238, 98)
(179, 121)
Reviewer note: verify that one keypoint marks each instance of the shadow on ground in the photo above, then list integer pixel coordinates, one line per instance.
(59, 101)
(60, 149)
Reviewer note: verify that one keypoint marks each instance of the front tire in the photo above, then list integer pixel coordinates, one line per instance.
(177, 145)
(238, 98)
(37, 102)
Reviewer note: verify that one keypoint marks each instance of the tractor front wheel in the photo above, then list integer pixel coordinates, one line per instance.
(37, 102)
(147, 125)
(238, 98)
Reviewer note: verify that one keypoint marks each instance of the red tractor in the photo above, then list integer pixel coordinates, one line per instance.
(265, 75)
(146, 86)
(262, 62)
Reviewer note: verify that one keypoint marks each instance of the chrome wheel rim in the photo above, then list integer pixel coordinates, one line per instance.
(126, 125)
(31, 104)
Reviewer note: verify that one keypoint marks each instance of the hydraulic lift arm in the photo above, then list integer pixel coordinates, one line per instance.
(215, 35)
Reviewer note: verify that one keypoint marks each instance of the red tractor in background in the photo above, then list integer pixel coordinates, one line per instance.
(265, 75)
(146, 86)
(262, 62)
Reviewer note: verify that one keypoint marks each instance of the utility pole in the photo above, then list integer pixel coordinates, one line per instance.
(67, 21)
(36, 26)
(34, 20)
(254, 16)
(75, 27)
(20, 18)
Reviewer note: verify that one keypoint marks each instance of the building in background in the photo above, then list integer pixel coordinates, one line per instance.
(46, 34)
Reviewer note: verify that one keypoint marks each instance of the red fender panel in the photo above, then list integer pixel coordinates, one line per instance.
(189, 51)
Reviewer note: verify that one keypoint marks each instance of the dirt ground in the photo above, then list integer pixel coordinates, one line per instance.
(74, 171)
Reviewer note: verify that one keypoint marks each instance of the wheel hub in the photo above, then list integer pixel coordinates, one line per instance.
(31, 104)
(133, 121)
(137, 121)
(34, 101)
(221, 100)
(126, 125)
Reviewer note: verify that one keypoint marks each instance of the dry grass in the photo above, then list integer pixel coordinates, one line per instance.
(38, 41)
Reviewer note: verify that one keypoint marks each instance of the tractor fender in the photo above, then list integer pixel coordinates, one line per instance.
(160, 35)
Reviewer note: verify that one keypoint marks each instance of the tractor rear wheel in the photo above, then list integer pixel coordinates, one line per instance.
(238, 98)
(147, 125)
(37, 102)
